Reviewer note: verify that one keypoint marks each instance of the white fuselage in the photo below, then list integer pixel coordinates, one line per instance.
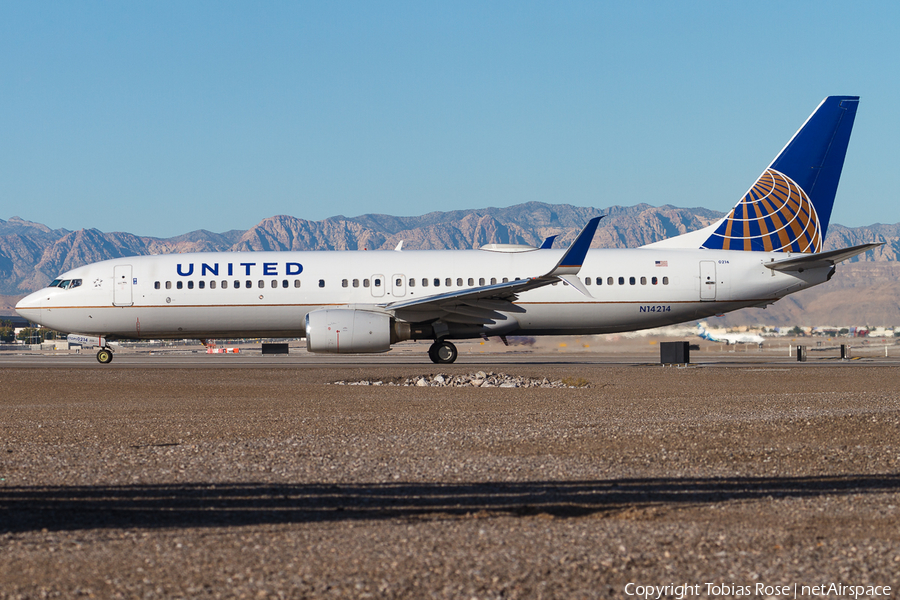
(269, 294)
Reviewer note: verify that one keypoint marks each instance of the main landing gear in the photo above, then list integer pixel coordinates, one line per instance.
(104, 356)
(442, 352)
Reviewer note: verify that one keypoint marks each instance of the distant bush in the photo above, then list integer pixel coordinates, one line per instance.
(576, 382)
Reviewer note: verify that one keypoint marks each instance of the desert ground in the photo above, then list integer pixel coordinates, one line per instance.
(186, 475)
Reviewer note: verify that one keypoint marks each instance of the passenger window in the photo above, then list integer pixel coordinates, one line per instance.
(248, 284)
(412, 282)
(631, 281)
(156, 285)
(212, 285)
(448, 282)
(643, 281)
(356, 283)
(261, 283)
(190, 285)
(493, 280)
(506, 280)
(599, 281)
(321, 283)
(365, 283)
(437, 282)
(376, 282)
(654, 280)
(399, 282)
(481, 281)
(621, 281)
(201, 284)
(424, 282)
(284, 283)
(471, 281)
(587, 281)
(665, 281)
(168, 285)
(609, 281)
(179, 284)
(237, 284)
(459, 281)
(224, 284)
(274, 283)
(345, 283)
(296, 283)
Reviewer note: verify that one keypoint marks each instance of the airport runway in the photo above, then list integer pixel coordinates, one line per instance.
(471, 356)
(255, 477)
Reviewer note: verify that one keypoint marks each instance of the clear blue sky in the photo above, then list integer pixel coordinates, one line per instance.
(159, 118)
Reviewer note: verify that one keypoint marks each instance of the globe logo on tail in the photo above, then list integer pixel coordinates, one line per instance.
(776, 215)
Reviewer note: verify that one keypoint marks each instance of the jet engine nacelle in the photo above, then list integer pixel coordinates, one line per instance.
(347, 331)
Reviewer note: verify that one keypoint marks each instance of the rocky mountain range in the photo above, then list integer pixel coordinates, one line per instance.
(32, 254)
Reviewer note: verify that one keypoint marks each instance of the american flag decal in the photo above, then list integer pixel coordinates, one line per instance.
(661, 263)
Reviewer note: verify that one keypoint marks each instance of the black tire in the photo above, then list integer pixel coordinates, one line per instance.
(442, 353)
(104, 356)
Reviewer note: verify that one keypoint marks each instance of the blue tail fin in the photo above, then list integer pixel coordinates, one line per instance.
(789, 206)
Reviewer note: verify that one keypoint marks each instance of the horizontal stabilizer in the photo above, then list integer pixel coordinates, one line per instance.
(822, 259)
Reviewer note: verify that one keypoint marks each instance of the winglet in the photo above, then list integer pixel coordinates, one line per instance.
(572, 260)
(548, 243)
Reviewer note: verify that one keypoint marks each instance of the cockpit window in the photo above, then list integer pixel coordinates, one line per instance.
(65, 284)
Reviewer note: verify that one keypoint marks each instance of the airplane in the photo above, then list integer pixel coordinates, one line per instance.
(729, 338)
(768, 246)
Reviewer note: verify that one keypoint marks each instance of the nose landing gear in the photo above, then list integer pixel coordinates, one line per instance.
(442, 352)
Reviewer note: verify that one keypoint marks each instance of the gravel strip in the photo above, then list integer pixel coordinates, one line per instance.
(275, 483)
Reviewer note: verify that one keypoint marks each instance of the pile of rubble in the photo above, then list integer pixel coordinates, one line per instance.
(479, 379)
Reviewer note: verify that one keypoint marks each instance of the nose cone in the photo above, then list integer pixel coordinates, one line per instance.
(30, 307)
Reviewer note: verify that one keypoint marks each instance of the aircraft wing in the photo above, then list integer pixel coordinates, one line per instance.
(480, 305)
(821, 259)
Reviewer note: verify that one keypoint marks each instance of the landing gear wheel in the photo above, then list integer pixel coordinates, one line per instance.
(442, 352)
(104, 356)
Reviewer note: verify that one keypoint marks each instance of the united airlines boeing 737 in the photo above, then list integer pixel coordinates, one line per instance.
(768, 246)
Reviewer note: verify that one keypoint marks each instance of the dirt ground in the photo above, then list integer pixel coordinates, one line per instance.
(273, 483)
